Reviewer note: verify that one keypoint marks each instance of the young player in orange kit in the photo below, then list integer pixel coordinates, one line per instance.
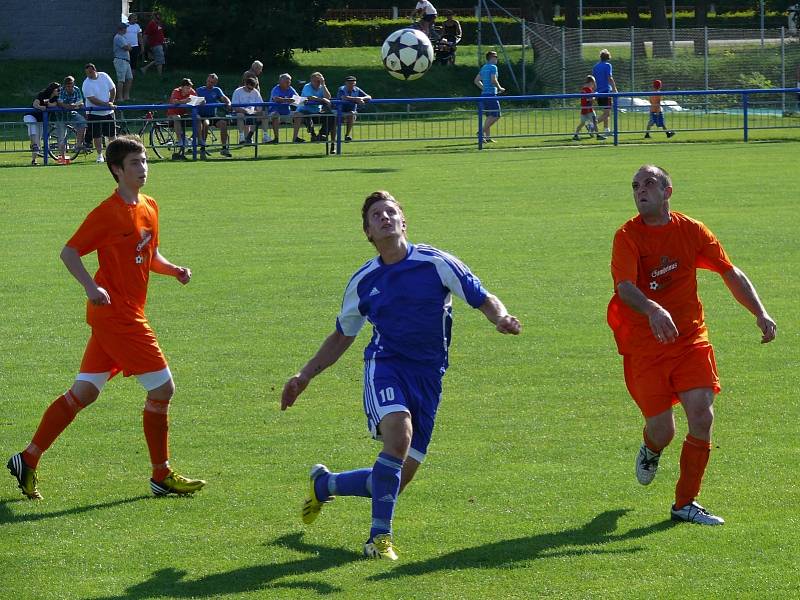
(659, 327)
(123, 230)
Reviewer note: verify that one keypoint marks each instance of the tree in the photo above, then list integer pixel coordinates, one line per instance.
(234, 33)
(700, 21)
(632, 10)
(658, 18)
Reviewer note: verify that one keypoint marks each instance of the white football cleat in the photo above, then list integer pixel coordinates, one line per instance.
(694, 513)
(646, 465)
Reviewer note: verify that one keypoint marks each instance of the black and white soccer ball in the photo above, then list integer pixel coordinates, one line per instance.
(407, 54)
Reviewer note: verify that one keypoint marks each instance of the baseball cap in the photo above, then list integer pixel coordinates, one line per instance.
(350, 78)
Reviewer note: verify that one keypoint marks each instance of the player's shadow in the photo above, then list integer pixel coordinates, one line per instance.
(8, 517)
(171, 583)
(584, 540)
(368, 170)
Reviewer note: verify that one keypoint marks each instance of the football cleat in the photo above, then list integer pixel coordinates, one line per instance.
(313, 505)
(646, 465)
(26, 477)
(381, 546)
(175, 484)
(670, 133)
(694, 513)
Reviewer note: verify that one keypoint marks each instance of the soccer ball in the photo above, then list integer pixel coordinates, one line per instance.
(407, 54)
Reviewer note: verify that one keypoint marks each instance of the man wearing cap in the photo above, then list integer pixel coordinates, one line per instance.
(122, 63)
(351, 97)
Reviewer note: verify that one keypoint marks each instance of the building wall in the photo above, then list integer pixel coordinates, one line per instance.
(58, 29)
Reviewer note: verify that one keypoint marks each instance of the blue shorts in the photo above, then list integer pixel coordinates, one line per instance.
(491, 107)
(395, 386)
(657, 119)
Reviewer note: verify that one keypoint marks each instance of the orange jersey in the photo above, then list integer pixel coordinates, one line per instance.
(662, 262)
(176, 95)
(125, 237)
(655, 104)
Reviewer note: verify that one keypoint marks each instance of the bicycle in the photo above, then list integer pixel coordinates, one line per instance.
(161, 136)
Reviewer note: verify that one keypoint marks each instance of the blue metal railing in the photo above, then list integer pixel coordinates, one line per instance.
(744, 96)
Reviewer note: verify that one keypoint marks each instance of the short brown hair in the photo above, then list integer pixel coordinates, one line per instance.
(373, 198)
(661, 175)
(490, 53)
(119, 148)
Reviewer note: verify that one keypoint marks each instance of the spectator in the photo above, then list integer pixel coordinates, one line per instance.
(427, 14)
(99, 93)
(133, 33)
(486, 79)
(122, 63)
(255, 72)
(451, 29)
(284, 95)
(154, 37)
(656, 114)
(351, 97)
(317, 101)
(249, 117)
(47, 98)
(70, 98)
(180, 95)
(602, 73)
(209, 116)
(588, 118)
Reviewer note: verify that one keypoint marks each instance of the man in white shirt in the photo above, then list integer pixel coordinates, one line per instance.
(427, 14)
(247, 117)
(134, 37)
(99, 91)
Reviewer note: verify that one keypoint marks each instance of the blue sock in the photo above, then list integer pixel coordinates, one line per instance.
(385, 487)
(351, 483)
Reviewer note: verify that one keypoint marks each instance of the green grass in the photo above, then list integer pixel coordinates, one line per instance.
(528, 490)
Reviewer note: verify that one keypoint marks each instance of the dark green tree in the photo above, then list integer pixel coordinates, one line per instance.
(233, 33)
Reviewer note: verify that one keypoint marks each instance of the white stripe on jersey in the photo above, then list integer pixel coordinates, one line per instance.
(448, 267)
(350, 319)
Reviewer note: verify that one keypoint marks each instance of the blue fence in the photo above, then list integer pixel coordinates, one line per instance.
(551, 116)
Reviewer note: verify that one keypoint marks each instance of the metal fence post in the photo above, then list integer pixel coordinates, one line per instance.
(783, 70)
(633, 59)
(563, 63)
(480, 27)
(45, 135)
(745, 102)
(195, 132)
(615, 105)
(705, 63)
(524, 88)
(339, 129)
(480, 125)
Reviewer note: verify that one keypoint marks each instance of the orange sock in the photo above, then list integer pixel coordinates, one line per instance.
(694, 458)
(156, 431)
(54, 420)
(650, 444)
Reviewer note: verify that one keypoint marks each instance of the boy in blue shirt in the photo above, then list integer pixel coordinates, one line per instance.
(486, 79)
(405, 292)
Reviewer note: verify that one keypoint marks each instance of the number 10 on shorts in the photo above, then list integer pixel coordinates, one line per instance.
(386, 395)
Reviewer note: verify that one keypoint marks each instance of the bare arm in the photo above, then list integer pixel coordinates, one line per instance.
(72, 260)
(329, 352)
(477, 81)
(613, 83)
(496, 84)
(661, 323)
(496, 312)
(746, 295)
(162, 266)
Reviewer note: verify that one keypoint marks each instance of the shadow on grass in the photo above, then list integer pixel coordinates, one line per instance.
(7, 516)
(171, 583)
(504, 554)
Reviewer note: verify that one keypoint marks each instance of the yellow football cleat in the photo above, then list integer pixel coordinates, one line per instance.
(176, 484)
(312, 505)
(381, 546)
(26, 477)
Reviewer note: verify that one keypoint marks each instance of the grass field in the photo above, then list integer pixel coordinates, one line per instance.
(528, 490)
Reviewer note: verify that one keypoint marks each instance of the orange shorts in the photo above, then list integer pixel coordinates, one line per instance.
(134, 352)
(654, 382)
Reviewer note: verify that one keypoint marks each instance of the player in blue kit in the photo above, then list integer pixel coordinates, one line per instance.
(405, 293)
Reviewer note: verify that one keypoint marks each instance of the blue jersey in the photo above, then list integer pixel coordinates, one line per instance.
(486, 73)
(601, 72)
(409, 305)
(212, 96)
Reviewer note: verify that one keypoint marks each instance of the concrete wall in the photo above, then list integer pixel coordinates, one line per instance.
(58, 29)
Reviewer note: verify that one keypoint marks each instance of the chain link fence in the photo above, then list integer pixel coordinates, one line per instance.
(697, 59)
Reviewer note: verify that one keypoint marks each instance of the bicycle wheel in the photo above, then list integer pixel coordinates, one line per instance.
(72, 148)
(162, 139)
